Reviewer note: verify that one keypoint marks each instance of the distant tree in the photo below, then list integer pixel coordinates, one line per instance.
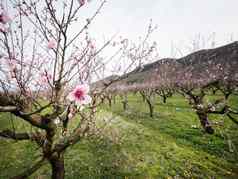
(148, 95)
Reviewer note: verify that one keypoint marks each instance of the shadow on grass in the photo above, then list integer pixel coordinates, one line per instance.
(173, 106)
(98, 158)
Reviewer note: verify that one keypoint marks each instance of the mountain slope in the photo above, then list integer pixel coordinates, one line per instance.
(199, 62)
(225, 56)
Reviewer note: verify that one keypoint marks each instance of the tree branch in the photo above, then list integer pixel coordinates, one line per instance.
(72, 139)
(37, 136)
(232, 118)
(12, 135)
(222, 111)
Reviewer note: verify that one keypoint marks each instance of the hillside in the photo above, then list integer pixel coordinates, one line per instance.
(225, 55)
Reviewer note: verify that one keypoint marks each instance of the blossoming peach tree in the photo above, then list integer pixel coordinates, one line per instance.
(47, 64)
(217, 70)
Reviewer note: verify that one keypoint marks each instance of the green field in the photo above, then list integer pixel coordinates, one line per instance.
(134, 145)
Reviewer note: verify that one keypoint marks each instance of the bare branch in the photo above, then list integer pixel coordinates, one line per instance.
(16, 136)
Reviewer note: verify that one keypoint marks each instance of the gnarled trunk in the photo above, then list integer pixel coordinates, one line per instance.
(57, 165)
(205, 122)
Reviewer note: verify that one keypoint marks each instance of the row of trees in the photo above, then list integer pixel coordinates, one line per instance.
(196, 76)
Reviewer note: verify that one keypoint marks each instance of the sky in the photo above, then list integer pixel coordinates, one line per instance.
(179, 22)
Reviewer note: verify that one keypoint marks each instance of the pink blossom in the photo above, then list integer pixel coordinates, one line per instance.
(92, 46)
(72, 112)
(70, 116)
(57, 121)
(3, 29)
(45, 78)
(51, 44)
(82, 2)
(200, 106)
(12, 67)
(213, 108)
(4, 18)
(80, 95)
(125, 42)
(114, 44)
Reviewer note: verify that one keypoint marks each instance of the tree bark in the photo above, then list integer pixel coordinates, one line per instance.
(110, 102)
(148, 101)
(205, 123)
(143, 98)
(151, 107)
(125, 102)
(57, 165)
(102, 100)
(124, 105)
(214, 91)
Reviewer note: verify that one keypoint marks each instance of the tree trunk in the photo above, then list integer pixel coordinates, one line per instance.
(124, 102)
(214, 92)
(205, 123)
(57, 165)
(110, 102)
(124, 105)
(151, 107)
(102, 100)
(164, 99)
(143, 98)
(227, 96)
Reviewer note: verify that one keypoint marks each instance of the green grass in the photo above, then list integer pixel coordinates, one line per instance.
(133, 145)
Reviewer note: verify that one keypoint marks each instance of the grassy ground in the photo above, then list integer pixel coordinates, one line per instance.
(133, 145)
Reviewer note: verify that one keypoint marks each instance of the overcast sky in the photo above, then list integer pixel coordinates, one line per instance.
(179, 21)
